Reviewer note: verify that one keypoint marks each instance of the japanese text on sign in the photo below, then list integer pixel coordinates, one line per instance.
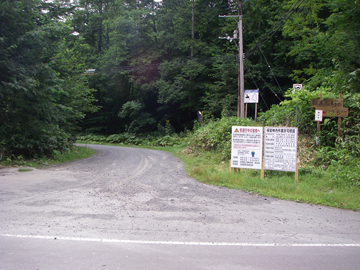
(338, 112)
(333, 103)
(318, 115)
(246, 147)
(280, 149)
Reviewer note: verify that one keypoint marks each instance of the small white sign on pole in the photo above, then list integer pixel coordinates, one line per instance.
(297, 87)
(246, 147)
(318, 115)
(251, 96)
(280, 148)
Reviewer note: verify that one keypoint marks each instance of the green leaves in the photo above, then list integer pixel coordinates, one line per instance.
(38, 96)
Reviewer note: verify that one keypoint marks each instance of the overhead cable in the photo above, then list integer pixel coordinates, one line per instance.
(276, 27)
(276, 95)
(272, 73)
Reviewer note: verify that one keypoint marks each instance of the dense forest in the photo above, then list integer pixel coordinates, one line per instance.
(113, 66)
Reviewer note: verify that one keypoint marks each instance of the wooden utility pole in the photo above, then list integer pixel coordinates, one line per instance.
(241, 110)
(192, 50)
(192, 29)
(240, 103)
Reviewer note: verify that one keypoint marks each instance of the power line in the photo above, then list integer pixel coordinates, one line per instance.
(257, 87)
(272, 73)
(276, 27)
(276, 95)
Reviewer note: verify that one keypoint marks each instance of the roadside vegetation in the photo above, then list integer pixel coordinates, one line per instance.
(329, 174)
(71, 154)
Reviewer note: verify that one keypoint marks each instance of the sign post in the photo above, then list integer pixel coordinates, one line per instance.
(331, 108)
(318, 119)
(339, 119)
(297, 87)
(251, 96)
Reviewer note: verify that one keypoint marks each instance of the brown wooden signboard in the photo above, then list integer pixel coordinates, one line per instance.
(331, 108)
(334, 112)
(327, 103)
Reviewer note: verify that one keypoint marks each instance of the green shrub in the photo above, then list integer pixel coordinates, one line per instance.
(132, 139)
(216, 134)
(117, 138)
(31, 143)
(168, 140)
(295, 110)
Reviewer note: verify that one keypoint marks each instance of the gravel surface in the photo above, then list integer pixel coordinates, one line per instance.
(137, 194)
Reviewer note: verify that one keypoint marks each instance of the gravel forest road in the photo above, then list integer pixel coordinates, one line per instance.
(132, 208)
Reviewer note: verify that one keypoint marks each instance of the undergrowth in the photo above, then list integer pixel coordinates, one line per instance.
(132, 139)
(73, 153)
(327, 175)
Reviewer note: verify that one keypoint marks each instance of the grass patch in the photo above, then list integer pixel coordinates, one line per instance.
(25, 170)
(315, 185)
(75, 153)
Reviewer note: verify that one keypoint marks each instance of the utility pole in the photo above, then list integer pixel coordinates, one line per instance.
(192, 29)
(192, 49)
(241, 110)
(240, 105)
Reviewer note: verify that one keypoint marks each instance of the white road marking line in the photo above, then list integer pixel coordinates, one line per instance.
(179, 242)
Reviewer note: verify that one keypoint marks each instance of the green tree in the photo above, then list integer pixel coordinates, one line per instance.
(38, 102)
(344, 44)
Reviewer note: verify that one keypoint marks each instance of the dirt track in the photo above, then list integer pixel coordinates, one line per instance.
(137, 194)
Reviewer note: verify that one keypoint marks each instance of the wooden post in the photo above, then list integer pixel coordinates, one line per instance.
(297, 172)
(255, 111)
(317, 139)
(246, 105)
(262, 174)
(317, 142)
(202, 118)
(241, 66)
(340, 133)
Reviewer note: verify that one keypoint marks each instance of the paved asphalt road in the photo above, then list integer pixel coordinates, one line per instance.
(130, 208)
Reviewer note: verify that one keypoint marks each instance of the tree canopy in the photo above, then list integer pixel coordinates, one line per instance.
(155, 64)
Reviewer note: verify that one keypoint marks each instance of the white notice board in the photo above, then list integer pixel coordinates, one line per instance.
(280, 148)
(318, 115)
(251, 96)
(246, 147)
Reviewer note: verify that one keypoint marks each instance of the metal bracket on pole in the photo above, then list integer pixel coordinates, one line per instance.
(230, 16)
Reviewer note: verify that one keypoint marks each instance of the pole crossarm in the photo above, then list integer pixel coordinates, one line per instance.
(227, 38)
(230, 16)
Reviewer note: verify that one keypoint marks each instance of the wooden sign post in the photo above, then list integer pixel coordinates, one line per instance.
(339, 119)
(331, 108)
(318, 119)
(251, 96)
